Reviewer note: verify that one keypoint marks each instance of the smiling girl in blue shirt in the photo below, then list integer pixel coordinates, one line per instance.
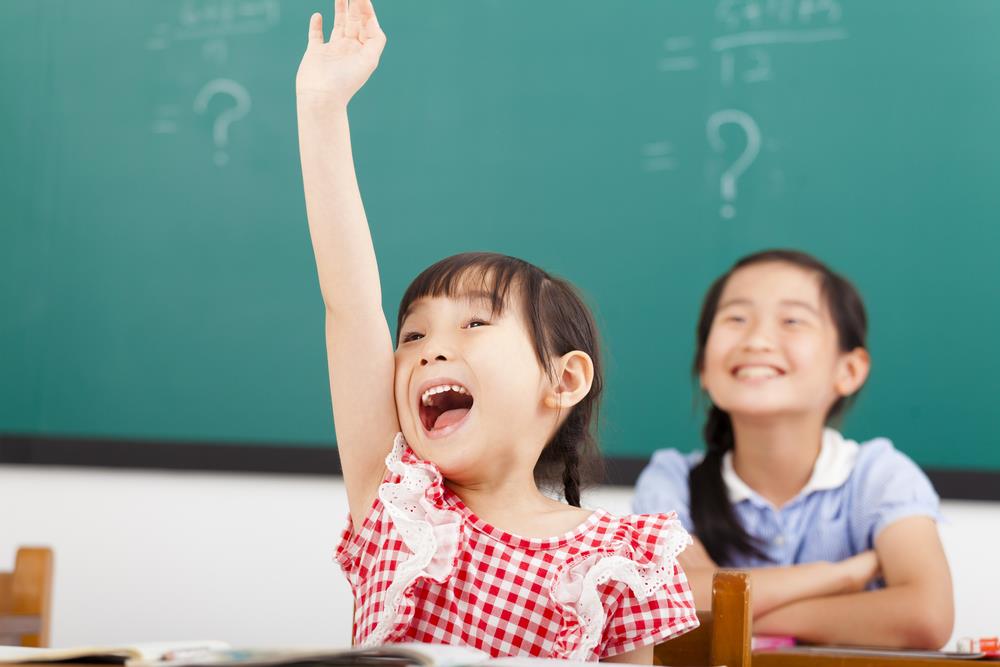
(841, 539)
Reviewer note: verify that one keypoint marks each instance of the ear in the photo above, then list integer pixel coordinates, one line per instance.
(852, 371)
(574, 377)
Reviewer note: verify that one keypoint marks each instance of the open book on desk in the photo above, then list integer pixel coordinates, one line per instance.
(190, 654)
(158, 653)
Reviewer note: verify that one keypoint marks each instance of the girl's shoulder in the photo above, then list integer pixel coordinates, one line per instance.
(663, 484)
(654, 537)
(672, 463)
(650, 601)
(884, 486)
(884, 473)
(878, 461)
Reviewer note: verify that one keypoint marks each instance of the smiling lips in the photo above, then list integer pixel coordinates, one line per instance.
(756, 372)
(444, 405)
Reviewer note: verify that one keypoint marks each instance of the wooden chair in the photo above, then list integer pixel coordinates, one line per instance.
(26, 598)
(723, 638)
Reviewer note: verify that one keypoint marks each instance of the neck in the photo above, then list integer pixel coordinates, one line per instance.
(776, 456)
(502, 502)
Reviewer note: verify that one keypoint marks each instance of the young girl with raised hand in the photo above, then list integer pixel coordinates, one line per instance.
(841, 538)
(492, 386)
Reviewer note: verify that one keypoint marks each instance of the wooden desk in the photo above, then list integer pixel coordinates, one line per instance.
(12, 627)
(833, 658)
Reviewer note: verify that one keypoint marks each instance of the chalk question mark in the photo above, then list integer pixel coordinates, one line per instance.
(727, 182)
(220, 130)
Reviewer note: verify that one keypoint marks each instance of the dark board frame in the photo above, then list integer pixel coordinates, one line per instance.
(951, 484)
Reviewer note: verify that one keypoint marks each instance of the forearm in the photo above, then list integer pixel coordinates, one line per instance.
(640, 656)
(900, 616)
(774, 587)
(342, 244)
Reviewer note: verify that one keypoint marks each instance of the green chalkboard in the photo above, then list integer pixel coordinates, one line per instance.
(156, 276)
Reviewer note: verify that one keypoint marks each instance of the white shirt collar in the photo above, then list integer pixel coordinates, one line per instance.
(837, 456)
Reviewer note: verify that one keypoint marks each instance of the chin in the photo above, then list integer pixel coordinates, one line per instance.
(755, 409)
(462, 462)
(446, 451)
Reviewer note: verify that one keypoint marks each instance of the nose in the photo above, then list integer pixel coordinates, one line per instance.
(758, 338)
(424, 360)
(436, 348)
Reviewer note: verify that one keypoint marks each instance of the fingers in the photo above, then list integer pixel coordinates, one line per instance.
(315, 29)
(339, 17)
(356, 20)
(353, 25)
(370, 27)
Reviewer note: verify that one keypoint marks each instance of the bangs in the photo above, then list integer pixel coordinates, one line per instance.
(489, 277)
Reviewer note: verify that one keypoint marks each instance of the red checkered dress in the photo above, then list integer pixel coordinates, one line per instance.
(424, 568)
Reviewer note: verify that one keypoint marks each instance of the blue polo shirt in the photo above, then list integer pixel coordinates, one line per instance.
(855, 491)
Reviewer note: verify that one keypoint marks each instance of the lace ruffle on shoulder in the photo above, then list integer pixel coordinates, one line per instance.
(644, 562)
(431, 530)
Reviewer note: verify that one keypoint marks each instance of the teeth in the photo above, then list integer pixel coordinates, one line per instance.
(756, 372)
(425, 398)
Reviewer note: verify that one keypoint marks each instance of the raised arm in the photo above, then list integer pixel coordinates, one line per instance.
(359, 346)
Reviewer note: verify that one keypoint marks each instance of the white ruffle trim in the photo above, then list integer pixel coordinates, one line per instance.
(430, 531)
(576, 589)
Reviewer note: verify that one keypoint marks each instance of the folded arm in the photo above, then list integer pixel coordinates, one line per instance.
(914, 610)
(774, 587)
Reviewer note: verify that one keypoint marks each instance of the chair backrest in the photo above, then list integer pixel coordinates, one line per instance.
(26, 598)
(723, 638)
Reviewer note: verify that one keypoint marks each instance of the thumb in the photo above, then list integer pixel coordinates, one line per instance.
(374, 41)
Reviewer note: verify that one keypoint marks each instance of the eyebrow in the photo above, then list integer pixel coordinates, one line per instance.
(784, 302)
(734, 302)
(800, 304)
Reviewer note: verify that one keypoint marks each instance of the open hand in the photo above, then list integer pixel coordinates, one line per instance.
(332, 71)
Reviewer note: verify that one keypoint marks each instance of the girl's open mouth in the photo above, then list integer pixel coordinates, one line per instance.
(443, 407)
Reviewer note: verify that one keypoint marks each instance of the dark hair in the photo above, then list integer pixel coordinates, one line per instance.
(714, 520)
(558, 322)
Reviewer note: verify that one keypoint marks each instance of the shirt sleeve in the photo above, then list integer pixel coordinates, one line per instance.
(663, 486)
(357, 548)
(889, 487)
(664, 607)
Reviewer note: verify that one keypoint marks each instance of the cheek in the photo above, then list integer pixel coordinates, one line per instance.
(509, 376)
(814, 364)
(808, 355)
(716, 350)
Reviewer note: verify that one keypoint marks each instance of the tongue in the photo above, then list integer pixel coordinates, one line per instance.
(450, 417)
